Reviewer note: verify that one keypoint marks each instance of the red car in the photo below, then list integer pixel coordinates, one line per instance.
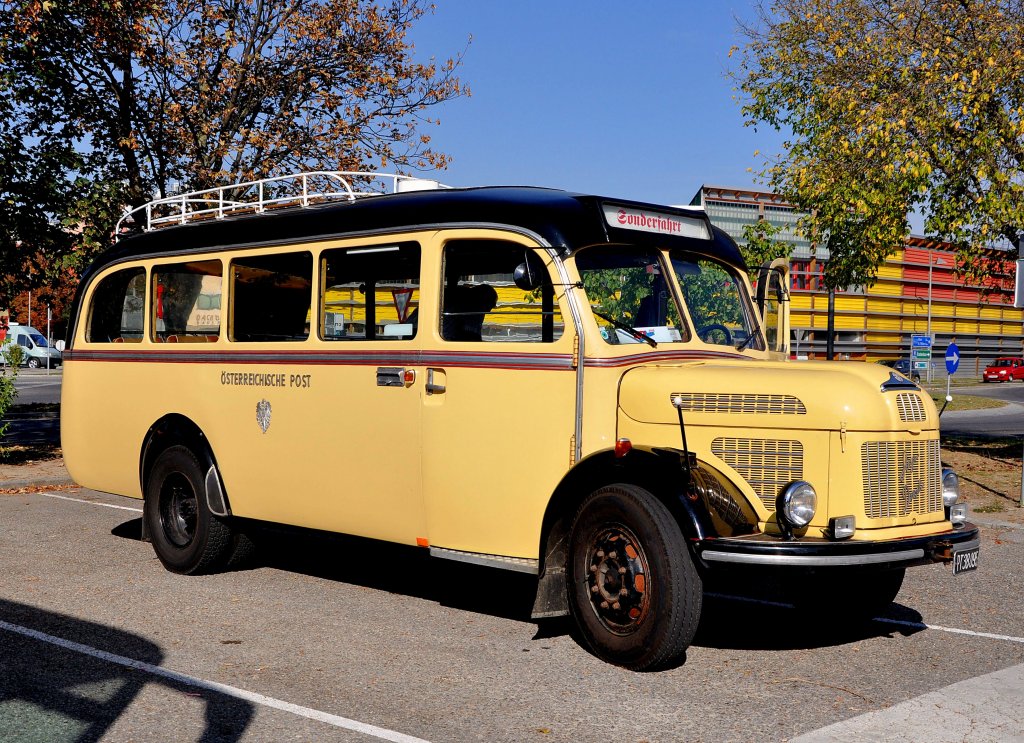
(1004, 370)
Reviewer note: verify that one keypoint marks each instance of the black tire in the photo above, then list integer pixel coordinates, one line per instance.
(186, 537)
(633, 589)
(33, 363)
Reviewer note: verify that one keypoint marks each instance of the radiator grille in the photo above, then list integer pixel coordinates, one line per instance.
(766, 464)
(724, 402)
(901, 477)
(910, 406)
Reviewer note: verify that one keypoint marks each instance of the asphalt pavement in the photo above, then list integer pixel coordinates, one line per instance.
(333, 638)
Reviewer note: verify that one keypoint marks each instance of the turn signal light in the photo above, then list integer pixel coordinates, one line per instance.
(622, 447)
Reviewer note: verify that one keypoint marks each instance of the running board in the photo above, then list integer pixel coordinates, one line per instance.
(518, 564)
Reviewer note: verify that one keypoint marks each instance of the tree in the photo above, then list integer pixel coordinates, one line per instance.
(893, 106)
(138, 97)
(761, 244)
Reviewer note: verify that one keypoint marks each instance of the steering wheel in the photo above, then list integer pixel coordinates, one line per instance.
(707, 330)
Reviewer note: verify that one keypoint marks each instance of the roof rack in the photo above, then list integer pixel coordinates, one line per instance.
(295, 189)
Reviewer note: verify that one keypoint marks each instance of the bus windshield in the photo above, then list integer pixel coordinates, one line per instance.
(717, 301)
(633, 301)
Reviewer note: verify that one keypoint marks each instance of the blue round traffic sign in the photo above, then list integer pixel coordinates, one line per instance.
(952, 358)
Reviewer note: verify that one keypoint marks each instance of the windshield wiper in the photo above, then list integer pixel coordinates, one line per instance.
(744, 344)
(628, 328)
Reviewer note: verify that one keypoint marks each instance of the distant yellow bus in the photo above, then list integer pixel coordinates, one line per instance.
(578, 387)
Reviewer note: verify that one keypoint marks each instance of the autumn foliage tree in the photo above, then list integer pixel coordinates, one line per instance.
(892, 106)
(141, 97)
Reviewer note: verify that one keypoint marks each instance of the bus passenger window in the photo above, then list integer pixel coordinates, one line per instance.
(117, 309)
(370, 293)
(270, 297)
(481, 302)
(186, 302)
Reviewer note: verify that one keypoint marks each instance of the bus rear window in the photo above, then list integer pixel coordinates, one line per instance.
(186, 301)
(117, 310)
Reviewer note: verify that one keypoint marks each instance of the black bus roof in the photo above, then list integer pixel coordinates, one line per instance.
(561, 219)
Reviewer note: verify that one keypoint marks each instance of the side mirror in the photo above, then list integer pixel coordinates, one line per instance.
(526, 276)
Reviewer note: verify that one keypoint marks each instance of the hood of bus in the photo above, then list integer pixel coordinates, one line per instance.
(823, 396)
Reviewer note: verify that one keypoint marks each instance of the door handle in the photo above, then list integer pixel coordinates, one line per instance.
(395, 376)
(433, 387)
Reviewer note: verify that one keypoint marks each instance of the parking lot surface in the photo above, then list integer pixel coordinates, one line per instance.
(331, 638)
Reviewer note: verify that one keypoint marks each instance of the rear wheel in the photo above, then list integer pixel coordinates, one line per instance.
(633, 590)
(186, 537)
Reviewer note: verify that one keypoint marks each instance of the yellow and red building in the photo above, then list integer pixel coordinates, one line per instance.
(917, 291)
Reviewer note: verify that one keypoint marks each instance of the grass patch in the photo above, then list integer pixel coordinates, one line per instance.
(989, 471)
(964, 402)
(992, 507)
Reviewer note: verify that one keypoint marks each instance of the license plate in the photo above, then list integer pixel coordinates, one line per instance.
(965, 560)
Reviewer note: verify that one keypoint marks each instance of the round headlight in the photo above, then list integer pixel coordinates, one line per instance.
(950, 487)
(797, 502)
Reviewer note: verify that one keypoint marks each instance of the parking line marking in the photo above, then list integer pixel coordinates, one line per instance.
(231, 691)
(92, 502)
(884, 620)
(953, 630)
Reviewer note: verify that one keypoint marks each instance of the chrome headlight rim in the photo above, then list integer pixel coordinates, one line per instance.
(950, 487)
(797, 504)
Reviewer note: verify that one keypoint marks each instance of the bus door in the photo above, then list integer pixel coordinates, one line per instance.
(367, 444)
(499, 394)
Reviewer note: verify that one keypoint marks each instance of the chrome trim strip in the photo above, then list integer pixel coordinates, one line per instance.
(499, 360)
(577, 320)
(812, 560)
(517, 564)
(658, 356)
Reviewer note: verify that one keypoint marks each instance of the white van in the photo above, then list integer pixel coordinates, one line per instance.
(33, 343)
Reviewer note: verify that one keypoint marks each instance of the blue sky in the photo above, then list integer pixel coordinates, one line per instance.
(625, 99)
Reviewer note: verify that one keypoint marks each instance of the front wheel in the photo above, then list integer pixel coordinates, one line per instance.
(33, 363)
(633, 589)
(186, 537)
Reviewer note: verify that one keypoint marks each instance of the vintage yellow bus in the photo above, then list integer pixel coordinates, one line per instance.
(578, 387)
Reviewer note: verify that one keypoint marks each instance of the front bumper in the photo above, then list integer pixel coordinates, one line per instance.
(819, 553)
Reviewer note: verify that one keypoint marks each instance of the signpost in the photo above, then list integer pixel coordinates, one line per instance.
(952, 363)
(921, 350)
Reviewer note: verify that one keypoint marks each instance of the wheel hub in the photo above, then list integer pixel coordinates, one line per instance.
(617, 580)
(178, 510)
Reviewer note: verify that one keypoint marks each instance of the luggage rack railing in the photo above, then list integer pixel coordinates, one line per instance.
(295, 189)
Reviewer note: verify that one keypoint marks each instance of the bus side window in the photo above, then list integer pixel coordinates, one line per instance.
(481, 302)
(186, 301)
(370, 293)
(271, 297)
(117, 308)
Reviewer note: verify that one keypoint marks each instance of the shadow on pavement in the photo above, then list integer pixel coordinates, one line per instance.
(730, 610)
(384, 566)
(727, 623)
(59, 694)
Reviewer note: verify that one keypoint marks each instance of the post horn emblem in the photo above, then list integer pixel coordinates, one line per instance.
(263, 415)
